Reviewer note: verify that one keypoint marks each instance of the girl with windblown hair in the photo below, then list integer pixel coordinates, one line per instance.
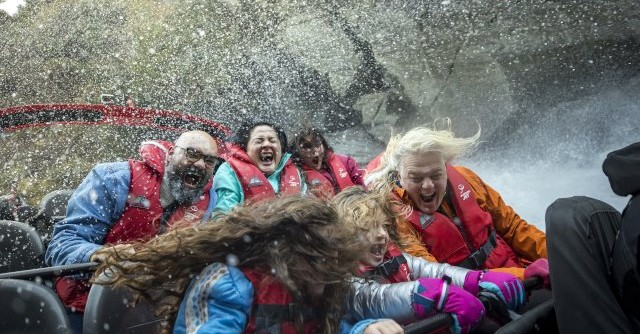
(289, 257)
(408, 288)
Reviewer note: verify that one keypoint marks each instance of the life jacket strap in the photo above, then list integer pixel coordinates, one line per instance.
(477, 258)
(390, 267)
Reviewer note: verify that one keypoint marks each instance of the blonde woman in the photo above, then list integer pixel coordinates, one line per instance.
(449, 214)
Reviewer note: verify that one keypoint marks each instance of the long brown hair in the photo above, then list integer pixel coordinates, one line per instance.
(300, 240)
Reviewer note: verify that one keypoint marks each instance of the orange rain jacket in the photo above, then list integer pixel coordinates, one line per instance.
(526, 240)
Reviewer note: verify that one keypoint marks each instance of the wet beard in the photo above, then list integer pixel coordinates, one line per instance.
(185, 195)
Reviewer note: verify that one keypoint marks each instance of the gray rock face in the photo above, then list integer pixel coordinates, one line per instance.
(557, 79)
(505, 65)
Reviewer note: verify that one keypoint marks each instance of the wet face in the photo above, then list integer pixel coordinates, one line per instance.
(379, 239)
(264, 149)
(191, 165)
(424, 177)
(312, 152)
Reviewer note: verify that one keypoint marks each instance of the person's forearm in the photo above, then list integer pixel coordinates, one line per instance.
(372, 300)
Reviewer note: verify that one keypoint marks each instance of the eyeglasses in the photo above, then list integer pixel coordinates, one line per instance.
(194, 155)
(310, 147)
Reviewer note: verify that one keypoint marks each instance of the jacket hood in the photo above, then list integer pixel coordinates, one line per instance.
(155, 153)
(622, 167)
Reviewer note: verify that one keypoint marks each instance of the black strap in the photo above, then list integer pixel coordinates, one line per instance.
(269, 317)
(390, 267)
(477, 258)
(166, 215)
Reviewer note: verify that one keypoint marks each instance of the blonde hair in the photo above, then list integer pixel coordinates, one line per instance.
(365, 211)
(420, 140)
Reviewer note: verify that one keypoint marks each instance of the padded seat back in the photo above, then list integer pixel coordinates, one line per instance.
(54, 204)
(108, 310)
(30, 308)
(21, 247)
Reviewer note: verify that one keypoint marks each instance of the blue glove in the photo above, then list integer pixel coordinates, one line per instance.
(505, 286)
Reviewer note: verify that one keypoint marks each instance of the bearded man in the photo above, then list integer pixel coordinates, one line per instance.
(135, 200)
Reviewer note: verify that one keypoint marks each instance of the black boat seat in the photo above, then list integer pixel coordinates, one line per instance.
(54, 204)
(21, 247)
(52, 209)
(31, 308)
(109, 310)
(539, 319)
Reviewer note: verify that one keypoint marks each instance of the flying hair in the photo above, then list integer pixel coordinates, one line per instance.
(421, 140)
(299, 240)
(366, 211)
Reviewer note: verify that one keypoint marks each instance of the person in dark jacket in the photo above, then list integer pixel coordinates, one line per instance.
(593, 254)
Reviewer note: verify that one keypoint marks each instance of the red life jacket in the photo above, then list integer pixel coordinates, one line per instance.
(255, 185)
(469, 240)
(393, 269)
(326, 188)
(141, 218)
(273, 306)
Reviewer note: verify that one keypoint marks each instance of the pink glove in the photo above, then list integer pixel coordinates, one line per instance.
(505, 286)
(539, 268)
(437, 295)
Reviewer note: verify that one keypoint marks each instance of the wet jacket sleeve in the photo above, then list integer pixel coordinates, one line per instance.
(353, 168)
(372, 300)
(92, 209)
(421, 268)
(227, 188)
(218, 301)
(525, 239)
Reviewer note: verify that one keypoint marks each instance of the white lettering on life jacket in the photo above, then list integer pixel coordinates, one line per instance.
(464, 194)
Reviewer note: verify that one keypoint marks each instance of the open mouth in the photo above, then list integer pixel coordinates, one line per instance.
(315, 161)
(267, 157)
(378, 249)
(428, 198)
(192, 179)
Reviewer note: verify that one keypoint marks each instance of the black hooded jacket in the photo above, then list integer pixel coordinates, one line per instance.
(622, 167)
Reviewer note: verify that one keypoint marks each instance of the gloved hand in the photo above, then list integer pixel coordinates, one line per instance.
(539, 268)
(437, 295)
(505, 286)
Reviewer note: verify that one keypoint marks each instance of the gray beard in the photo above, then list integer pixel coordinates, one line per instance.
(181, 194)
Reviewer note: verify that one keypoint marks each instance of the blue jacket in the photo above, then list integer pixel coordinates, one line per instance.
(228, 189)
(220, 300)
(93, 208)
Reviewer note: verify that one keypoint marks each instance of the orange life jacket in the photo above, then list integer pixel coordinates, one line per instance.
(273, 306)
(468, 240)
